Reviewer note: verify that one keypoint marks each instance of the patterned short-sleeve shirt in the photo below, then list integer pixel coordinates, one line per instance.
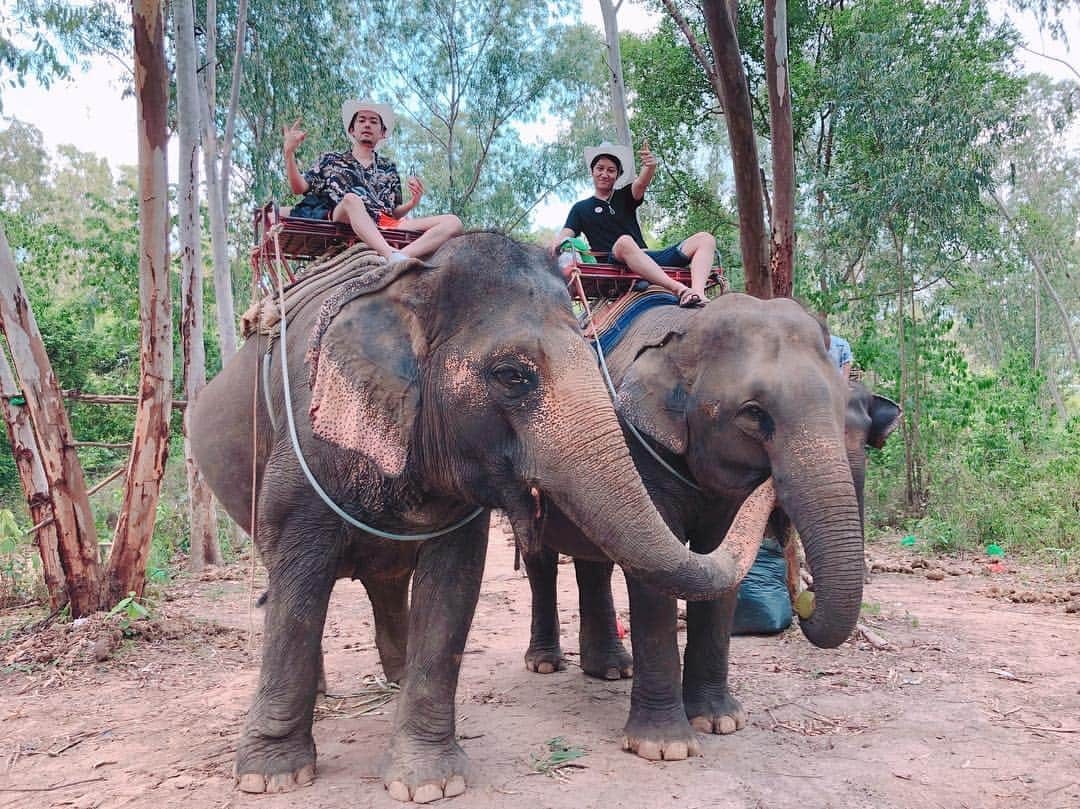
(338, 173)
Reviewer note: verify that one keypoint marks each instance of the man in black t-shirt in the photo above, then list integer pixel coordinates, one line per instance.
(609, 221)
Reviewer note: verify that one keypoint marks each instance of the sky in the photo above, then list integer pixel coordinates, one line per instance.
(90, 112)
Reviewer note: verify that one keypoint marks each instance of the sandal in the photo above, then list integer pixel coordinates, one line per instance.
(688, 299)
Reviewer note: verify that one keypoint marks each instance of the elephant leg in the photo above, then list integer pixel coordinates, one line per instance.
(602, 653)
(390, 605)
(657, 727)
(426, 762)
(320, 681)
(544, 654)
(277, 752)
(709, 703)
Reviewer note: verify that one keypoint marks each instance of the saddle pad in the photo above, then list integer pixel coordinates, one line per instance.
(626, 311)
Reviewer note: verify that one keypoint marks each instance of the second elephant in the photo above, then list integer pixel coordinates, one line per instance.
(727, 396)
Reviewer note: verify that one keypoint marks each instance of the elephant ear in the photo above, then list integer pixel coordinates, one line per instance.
(364, 372)
(884, 418)
(653, 397)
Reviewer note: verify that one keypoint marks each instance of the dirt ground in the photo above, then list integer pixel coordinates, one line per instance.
(974, 702)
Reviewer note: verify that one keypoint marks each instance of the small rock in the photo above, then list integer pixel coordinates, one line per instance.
(935, 575)
(103, 649)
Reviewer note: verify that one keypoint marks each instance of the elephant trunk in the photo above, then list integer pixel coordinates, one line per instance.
(815, 489)
(590, 475)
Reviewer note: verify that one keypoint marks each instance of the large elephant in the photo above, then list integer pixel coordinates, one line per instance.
(728, 396)
(420, 393)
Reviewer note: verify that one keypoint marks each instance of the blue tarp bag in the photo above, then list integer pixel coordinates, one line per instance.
(764, 606)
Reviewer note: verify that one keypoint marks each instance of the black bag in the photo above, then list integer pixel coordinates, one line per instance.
(313, 206)
(764, 606)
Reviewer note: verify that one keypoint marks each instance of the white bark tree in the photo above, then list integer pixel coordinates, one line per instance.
(150, 444)
(215, 196)
(202, 519)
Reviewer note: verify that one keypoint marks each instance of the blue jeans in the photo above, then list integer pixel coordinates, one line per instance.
(670, 256)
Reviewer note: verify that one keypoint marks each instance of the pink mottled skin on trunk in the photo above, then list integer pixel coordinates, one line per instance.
(744, 536)
(345, 415)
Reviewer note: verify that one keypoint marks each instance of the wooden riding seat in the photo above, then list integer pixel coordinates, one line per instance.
(287, 242)
(605, 280)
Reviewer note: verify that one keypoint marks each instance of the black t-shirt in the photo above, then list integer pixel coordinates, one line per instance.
(603, 222)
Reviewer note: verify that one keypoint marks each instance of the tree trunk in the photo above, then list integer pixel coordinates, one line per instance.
(150, 444)
(226, 317)
(615, 74)
(915, 388)
(778, 78)
(36, 486)
(1066, 321)
(1055, 394)
(234, 103)
(202, 518)
(753, 242)
(76, 535)
(1037, 337)
(909, 463)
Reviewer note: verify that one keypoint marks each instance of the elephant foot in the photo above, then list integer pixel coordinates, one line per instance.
(274, 765)
(424, 775)
(545, 659)
(722, 716)
(611, 662)
(671, 741)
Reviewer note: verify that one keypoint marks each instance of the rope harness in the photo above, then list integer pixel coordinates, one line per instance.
(575, 279)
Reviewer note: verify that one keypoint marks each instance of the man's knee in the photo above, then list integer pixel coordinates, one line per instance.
(624, 246)
(452, 224)
(352, 206)
(701, 241)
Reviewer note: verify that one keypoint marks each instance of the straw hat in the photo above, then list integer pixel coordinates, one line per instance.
(352, 106)
(624, 154)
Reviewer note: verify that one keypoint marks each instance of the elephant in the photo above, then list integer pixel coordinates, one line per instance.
(420, 394)
(727, 396)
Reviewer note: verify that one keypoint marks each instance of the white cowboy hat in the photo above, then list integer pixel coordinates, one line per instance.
(352, 106)
(624, 154)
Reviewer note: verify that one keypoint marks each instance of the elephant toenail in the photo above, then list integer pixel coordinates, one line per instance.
(251, 782)
(426, 793)
(398, 791)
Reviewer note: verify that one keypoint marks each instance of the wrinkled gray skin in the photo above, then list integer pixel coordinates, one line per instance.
(729, 394)
(440, 388)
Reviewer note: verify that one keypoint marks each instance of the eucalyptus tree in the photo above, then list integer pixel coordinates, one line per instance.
(469, 77)
(302, 64)
(923, 101)
(45, 39)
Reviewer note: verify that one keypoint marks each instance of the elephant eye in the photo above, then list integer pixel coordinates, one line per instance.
(753, 419)
(515, 380)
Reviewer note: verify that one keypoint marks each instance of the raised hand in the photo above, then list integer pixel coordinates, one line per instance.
(416, 187)
(648, 160)
(293, 136)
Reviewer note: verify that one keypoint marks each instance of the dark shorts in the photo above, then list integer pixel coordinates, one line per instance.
(669, 256)
(313, 206)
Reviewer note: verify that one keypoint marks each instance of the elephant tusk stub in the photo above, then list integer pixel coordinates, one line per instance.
(535, 492)
(747, 529)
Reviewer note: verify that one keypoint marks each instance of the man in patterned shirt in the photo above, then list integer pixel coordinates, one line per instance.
(362, 188)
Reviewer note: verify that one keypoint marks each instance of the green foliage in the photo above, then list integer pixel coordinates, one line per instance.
(999, 470)
(559, 753)
(17, 565)
(466, 78)
(44, 39)
(130, 609)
